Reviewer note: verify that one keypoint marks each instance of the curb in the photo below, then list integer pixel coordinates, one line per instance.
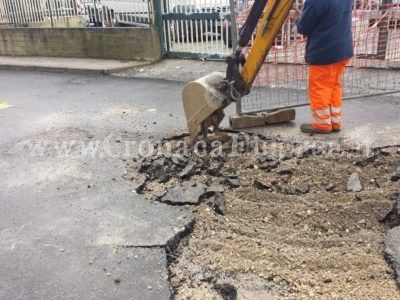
(84, 71)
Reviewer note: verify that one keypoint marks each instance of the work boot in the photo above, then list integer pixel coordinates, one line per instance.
(308, 128)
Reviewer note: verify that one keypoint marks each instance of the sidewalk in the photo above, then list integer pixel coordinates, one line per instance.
(75, 65)
(181, 70)
(364, 124)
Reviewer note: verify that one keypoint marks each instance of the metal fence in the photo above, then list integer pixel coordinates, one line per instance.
(374, 70)
(197, 28)
(208, 29)
(74, 13)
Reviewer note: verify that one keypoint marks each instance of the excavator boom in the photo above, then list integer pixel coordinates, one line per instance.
(275, 14)
(204, 99)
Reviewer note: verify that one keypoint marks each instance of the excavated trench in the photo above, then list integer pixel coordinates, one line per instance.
(276, 219)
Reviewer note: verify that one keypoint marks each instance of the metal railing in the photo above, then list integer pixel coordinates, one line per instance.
(74, 13)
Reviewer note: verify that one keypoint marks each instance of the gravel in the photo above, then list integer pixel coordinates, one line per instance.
(296, 232)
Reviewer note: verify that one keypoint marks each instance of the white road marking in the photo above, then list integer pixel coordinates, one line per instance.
(5, 104)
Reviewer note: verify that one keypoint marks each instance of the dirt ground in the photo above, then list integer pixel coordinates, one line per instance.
(290, 227)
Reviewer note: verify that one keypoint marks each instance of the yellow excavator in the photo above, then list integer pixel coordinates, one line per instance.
(205, 98)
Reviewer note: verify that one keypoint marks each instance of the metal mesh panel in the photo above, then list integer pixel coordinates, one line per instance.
(282, 81)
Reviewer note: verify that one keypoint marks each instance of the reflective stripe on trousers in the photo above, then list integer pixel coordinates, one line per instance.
(322, 117)
(325, 92)
(336, 113)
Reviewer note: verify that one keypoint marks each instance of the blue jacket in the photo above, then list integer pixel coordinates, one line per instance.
(327, 24)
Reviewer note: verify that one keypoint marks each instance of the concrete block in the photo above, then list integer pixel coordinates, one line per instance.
(280, 116)
(246, 121)
(261, 119)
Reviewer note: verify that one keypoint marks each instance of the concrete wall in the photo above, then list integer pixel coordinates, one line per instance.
(101, 43)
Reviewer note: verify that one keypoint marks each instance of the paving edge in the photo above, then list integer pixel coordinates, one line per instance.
(107, 71)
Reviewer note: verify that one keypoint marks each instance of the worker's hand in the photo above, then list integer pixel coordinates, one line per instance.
(294, 14)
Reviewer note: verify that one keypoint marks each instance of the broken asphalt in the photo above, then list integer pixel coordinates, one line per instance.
(70, 225)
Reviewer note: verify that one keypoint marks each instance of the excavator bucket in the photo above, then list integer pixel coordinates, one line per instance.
(204, 100)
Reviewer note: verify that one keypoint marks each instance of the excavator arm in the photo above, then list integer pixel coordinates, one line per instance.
(275, 14)
(204, 99)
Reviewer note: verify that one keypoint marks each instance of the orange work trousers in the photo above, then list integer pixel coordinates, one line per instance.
(326, 95)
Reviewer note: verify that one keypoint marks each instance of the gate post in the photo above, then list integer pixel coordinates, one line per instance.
(158, 22)
(234, 31)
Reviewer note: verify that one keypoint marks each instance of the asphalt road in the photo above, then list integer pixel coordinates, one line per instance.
(70, 225)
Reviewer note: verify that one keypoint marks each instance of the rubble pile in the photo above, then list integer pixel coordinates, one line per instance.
(275, 218)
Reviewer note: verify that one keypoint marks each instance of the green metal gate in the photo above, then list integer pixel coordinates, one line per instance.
(196, 29)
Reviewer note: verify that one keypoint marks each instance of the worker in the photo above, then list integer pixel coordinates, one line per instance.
(327, 25)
